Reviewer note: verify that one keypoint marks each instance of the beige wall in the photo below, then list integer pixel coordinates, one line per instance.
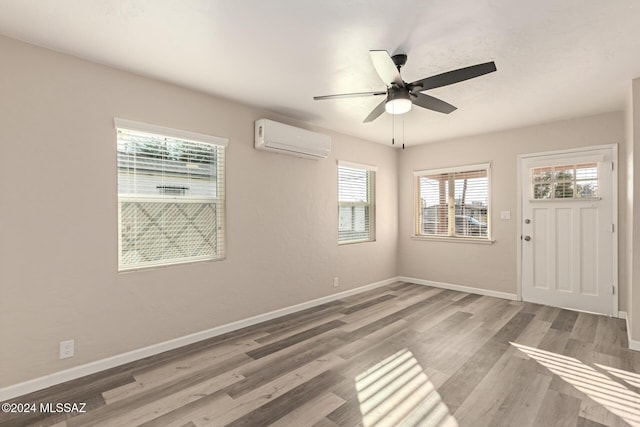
(58, 218)
(626, 205)
(633, 206)
(491, 267)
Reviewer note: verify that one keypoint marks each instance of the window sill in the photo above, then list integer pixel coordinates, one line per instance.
(355, 242)
(169, 265)
(455, 239)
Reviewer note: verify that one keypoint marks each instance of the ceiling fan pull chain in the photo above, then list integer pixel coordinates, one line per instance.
(403, 132)
(393, 130)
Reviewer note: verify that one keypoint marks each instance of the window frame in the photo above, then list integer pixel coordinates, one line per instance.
(552, 163)
(219, 200)
(371, 196)
(451, 238)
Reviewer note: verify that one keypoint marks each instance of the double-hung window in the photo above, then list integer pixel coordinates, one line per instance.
(170, 196)
(453, 202)
(356, 203)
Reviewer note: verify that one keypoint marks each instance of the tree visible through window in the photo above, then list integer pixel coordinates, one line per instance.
(453, 202)
(170, 196)
(565, 181)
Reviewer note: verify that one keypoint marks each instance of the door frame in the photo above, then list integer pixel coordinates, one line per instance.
(614, 211)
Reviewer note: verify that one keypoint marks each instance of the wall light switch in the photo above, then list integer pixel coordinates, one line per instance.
(505, 214)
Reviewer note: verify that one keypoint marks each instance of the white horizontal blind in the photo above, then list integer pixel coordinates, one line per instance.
(575, 181)
(356, 203)
(170, 199)
(433, 204)
(453, 203)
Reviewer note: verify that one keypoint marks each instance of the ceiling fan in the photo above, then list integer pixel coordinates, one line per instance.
(402, 95)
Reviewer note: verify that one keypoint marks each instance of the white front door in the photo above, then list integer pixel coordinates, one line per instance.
(568, 230)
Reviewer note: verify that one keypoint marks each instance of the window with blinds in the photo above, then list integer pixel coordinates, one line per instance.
(453, 202)
(170, 196)
(576, 181)
(356, 203)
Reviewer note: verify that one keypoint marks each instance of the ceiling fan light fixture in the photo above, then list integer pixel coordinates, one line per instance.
(398, 101)
(397, 106)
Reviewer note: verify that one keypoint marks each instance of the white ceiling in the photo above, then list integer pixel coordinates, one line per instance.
(556, 58)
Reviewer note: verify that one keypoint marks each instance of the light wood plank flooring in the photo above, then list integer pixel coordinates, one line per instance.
(400, 355)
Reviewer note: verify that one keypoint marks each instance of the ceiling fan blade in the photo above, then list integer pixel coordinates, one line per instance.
(386, 68)
(431, 103)
(376, 112)
(349, 95)
(451, 77)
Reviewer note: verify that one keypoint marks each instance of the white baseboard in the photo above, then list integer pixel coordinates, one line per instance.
(622, 315)
(111, 362)
(633, 344)
(468, 289)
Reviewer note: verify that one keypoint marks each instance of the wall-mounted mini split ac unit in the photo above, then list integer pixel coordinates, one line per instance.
(285, 139)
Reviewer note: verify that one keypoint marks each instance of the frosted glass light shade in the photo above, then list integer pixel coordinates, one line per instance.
(398, 106)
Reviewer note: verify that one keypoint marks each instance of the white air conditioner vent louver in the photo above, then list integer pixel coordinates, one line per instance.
(286, 139)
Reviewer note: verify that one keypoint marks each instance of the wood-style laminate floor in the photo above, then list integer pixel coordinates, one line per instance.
(400, 355)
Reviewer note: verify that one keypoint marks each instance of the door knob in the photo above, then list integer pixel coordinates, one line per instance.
(527, 221)
(527, 238)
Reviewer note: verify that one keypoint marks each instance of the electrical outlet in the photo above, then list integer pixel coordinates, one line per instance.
(66, 349)
(336, 282)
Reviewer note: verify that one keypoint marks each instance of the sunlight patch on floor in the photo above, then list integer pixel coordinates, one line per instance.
(397, 392)
(630, 378)
(612, 395)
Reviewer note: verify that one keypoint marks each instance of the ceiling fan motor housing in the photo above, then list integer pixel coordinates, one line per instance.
(397, 93)
(398, 100)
